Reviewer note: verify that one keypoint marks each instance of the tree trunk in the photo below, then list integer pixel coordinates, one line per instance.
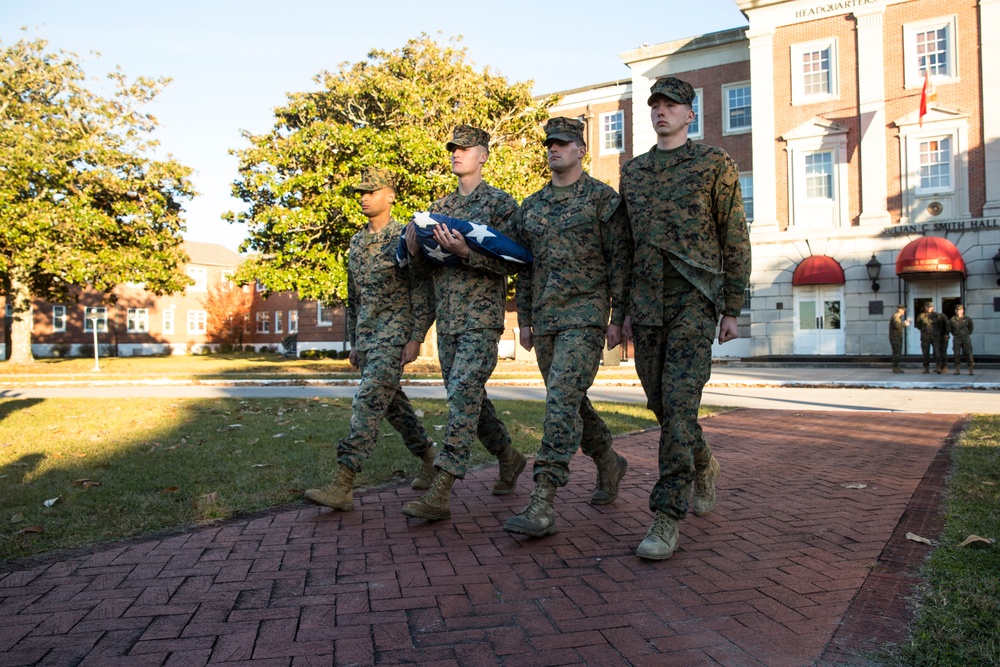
(21, 326)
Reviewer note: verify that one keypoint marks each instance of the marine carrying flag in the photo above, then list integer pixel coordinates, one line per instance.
(479, 237)
(923, 96)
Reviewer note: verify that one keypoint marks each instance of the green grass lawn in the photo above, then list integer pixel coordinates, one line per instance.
(120, 469)
(958, 605)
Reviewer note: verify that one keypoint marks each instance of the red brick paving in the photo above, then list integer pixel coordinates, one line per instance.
(780, 574)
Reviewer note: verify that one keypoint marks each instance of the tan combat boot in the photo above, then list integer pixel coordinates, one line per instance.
(538, 518)
(433, 505)
(704, 488)
(339, 495)
(611, 467)
(661, 539)
(512, 464)
(426, 476)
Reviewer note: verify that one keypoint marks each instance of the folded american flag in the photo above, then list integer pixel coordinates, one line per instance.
(479, 237)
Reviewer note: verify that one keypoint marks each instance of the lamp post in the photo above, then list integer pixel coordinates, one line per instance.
(874, 266)
(996, 265)
(94, 319)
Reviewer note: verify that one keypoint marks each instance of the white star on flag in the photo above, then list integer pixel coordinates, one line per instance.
(479, 232)
(439, 254)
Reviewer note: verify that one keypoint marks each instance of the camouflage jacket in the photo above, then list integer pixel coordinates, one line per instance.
(689, 211)
(580, 240)
(383, 303)
(925, 323)
(473, 295)
(961, 327)
(896, 326)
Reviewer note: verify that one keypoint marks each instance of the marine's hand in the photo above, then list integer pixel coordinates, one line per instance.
(412, 244)
(627, 327)
(410, 352)
(353, 358)
(526, 338)
(727, 329)
(613, 336)
(451, 241)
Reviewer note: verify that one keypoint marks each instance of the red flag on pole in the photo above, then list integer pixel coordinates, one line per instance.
(923, 96)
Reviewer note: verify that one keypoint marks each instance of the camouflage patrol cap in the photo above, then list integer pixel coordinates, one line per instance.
(900, 307)
(565, 129)
(373, 178)
(466, 136)
(672, 88)
(958, 305)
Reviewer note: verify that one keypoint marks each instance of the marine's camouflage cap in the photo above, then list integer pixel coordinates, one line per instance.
(900, 307)
(958, 305)
(373, 178)
(466, 136)
(672, 88)
(563, 129)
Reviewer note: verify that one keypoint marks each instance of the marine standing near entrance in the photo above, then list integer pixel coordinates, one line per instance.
(925, 324)
(577, 231)
(691, 263)
(896, 325)
(961, 330)
(387, 314)
(470, 300)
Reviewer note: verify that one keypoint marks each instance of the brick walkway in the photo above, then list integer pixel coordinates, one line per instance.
(767, 579)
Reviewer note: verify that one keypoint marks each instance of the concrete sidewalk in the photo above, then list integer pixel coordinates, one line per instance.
(802, 562)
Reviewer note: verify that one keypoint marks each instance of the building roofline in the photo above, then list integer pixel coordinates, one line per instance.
(708, 40)
(583, 89)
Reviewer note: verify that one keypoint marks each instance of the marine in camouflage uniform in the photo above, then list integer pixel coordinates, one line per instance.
(387, 315)
(961, 330)
(470, 300)
(941, 333)
(925, 324)
(691, 264)
(576, 229)
(897, 323)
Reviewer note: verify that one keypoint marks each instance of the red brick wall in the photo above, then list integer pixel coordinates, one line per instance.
(711, 80)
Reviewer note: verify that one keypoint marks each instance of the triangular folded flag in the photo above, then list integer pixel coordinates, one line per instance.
(479, 237)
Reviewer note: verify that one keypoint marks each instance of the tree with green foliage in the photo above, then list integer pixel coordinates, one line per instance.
(394, 110)
(82, 202)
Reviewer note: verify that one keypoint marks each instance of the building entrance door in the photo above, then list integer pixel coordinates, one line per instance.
(819, 325)
(945, 295)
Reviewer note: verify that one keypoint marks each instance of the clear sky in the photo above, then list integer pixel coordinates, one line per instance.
(233, 61)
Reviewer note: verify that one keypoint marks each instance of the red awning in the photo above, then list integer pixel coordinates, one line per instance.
(818, 270)
(930, 254)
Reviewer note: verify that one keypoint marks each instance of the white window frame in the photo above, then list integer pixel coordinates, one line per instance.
(197, 322)
(615, 117)
(226, 278)
(168, 321)
(320, 322)
(799, 94)
(818, 213)
(278, 322)
(102, 323)
(200, 276)
(937, 124)
(747, 177)
(138, 316)
(698, 107)
(913, 73)
(263, 318)
(938, 189)
(727, 129)
(293, 321)
(58, 319)
(829, 190)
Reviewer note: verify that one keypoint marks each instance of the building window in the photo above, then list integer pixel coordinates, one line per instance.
(263, 321)
(293, 321)
(814, 72)
(278, 324)
(102, 314)
(138, 320)
(929, 46)
(736, 108)
(935, 165)
(613, 132)
(696, 130)
(746, 188)
(168, 321)
(197, 321)
(58, 318)
(200, 277)
(819, 175)
(324, 315)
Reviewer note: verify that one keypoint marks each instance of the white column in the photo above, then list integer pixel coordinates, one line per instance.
(871, 107)
(765, 197)
(989, 17)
